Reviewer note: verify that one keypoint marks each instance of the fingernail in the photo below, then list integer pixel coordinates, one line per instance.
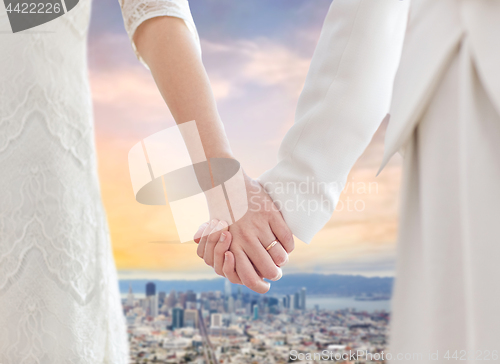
(200, 230)
(220, 226)
(226, 255)
(207, 230)
(213, 222)
(222, 237)
(203, 226)
(286, 261)
(280, 274)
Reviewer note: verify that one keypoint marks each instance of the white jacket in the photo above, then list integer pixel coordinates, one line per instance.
(374, 59)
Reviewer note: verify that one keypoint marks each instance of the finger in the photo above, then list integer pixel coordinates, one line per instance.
(247, 273)
(201, 229)
(276, 250)
(201, 245)
(229, 268)
(282, 231)
(262, 261)
(221, 247)
(212, 240)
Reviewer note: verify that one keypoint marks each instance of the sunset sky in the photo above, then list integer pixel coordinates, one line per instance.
(257, 54)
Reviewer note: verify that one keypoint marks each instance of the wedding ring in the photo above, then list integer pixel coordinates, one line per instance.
(272, 244)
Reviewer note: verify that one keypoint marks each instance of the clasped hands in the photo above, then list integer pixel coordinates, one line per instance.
(238, 252)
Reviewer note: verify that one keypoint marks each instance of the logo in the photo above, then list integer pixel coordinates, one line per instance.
(27, 14)
(171, 167)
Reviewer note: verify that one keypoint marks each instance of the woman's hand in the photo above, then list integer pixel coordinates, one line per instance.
(251, 235)
(223, 259)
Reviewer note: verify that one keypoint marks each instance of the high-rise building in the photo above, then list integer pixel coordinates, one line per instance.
(213, 305)
(216, 320)
(151, 300)
(255, 312)
(181, 299)
(161, 298)
(286, 301)
(130, 296)
(191, 318)
(152, 305)
(228, 288)
(177, 318)
(238, 304)
(150, 289)
(296, 301)
(280, 306)
(171, 300)
(303, 299)
(230, 304)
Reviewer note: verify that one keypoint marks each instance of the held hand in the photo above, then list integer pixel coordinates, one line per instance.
(262, 232)
(214, 242)
(224, 263)
(262, 227)
(217, 247)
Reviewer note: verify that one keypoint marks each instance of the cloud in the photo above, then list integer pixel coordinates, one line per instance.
(259, 62)
(272, 64)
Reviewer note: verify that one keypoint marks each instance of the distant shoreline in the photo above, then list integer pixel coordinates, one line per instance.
(315, 284)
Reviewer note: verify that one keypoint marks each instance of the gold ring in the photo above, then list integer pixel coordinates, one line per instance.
(272, 244)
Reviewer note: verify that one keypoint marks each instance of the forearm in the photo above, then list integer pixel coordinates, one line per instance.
(170, 51)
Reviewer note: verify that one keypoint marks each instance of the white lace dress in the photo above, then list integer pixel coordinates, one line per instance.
(59, 299)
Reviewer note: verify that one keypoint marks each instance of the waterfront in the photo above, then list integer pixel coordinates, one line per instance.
(326, 302)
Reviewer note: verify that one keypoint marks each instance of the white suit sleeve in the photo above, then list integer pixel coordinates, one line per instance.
(135, 12)
(346, 96)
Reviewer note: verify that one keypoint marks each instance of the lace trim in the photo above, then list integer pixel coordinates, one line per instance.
(136, 12)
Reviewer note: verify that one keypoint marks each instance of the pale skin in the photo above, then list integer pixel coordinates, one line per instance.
(169, 49)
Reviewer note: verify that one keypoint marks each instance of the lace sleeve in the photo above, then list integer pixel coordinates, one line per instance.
(137, 11)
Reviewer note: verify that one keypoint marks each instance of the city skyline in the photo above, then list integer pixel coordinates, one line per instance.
(212, 327)
(316, 284)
